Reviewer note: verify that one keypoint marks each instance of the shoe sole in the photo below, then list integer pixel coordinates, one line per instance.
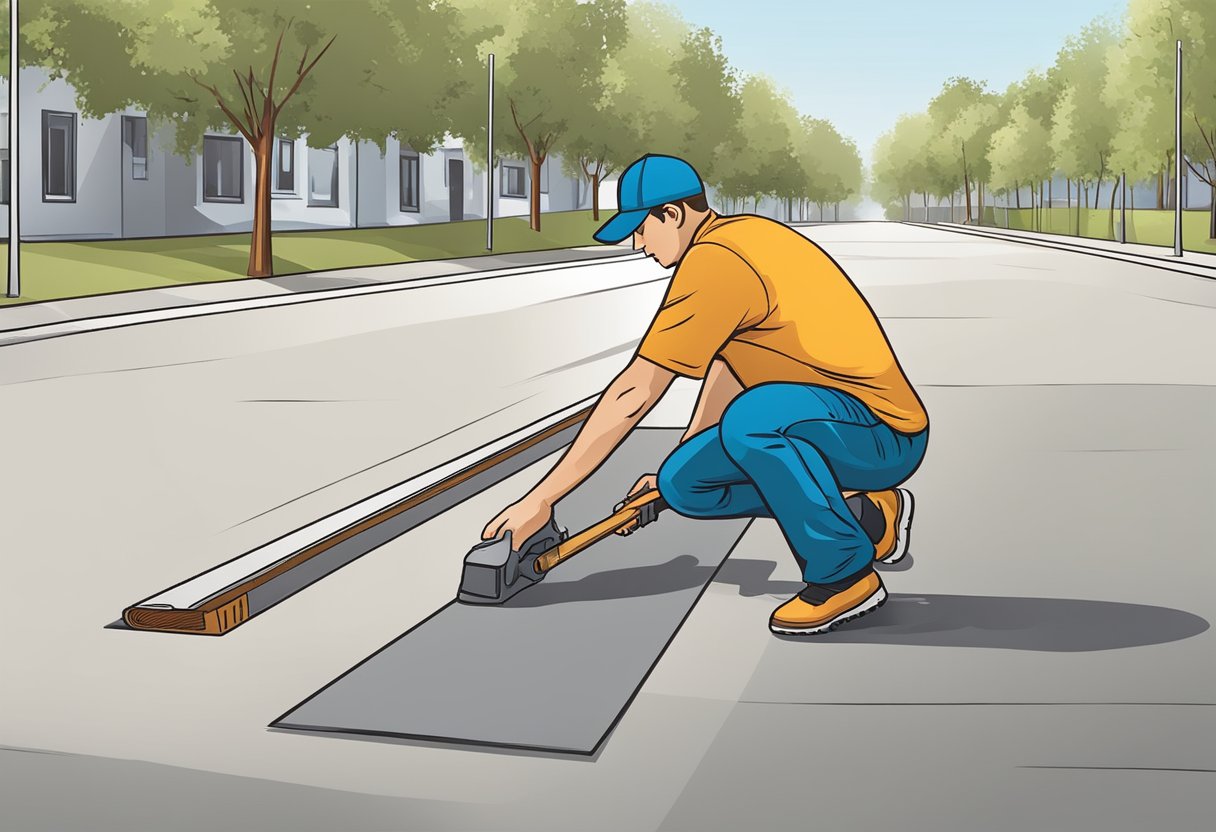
(903, 527)
(867, 606)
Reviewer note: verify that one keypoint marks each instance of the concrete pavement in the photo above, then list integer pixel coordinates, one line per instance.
(1044, 663)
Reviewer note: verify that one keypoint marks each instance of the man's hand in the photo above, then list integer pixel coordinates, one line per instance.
(647, 482)
(522, 519)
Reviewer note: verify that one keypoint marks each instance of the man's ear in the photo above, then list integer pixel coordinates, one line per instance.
(676, 212)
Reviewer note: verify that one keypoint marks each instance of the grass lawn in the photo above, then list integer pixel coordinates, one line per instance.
(1145, 226)
(55, 270)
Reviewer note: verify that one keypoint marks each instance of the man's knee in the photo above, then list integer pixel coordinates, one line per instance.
(674, 484)
(681, 489)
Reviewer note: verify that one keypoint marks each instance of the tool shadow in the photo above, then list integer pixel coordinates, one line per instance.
(1010, 623)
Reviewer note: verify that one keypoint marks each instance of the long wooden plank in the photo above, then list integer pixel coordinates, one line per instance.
(218, 600)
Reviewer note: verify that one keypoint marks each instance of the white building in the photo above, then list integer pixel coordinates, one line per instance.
(85, 179)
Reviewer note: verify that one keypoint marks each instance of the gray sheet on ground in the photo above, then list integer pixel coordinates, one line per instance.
(555, 667)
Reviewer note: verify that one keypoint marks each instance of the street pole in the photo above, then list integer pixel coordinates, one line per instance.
(490, 159)
(14, 231)
(1178, 160)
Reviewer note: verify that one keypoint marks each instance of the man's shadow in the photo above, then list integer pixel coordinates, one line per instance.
(1011, 623)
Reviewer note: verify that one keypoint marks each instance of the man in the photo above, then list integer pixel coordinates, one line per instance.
(804, 414)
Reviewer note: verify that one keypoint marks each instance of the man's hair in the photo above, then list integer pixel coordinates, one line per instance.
(696, 202)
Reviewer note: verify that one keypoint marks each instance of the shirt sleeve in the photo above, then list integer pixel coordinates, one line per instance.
(713, 294)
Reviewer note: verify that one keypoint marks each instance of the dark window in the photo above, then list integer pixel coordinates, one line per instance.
(135, 129)
(285, 166)
(410, 164)
(4, 177)
(58, 156)
(223, 169)
(544, 177)
(323, 176)
(513, 181)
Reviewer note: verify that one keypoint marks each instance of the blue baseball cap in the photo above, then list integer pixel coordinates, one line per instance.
(648, 183)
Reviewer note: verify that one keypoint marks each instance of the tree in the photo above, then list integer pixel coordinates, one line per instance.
(1196, 22)
(366, 71)
(1019, 151)
(550, 59)
(1083, 123)
(901, 163)
(1141, 90)
(639, 102)
(831, 163)
(709, 86)
(759, 160)
(963, 115)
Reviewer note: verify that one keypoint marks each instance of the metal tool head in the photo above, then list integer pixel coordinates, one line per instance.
(494, 570)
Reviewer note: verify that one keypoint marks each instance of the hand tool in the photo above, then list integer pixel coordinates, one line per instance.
(495, 570)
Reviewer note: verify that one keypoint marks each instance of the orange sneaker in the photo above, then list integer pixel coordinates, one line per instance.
(815, 610)
(896, 505)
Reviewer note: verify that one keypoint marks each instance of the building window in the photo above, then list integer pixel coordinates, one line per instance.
(409, 180)
(58, 156)
(323, 176)
(223, 169)
(135, 134)
(513, 181)
(4, 176)
(284, 166)
(544, 177)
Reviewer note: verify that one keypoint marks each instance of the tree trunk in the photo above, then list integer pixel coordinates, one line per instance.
(1050, 227)
(595, 196)
(966, 185)
(1160, 190)
(836, 212)
(1111, 224)
(1212, 222)
(1068, 209)
(1017, 195)
(261, 260)
(534, 196)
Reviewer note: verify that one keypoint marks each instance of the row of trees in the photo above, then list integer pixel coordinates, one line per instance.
(1106, 107)
(599, 82)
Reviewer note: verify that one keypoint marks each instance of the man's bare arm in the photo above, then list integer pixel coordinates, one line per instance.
(629, 397)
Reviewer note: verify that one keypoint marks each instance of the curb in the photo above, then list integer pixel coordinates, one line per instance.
(1201, 270)
(118, 320)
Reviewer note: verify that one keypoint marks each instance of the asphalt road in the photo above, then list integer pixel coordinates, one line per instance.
(1044, 662)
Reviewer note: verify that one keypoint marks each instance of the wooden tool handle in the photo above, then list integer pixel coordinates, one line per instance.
(628, 516)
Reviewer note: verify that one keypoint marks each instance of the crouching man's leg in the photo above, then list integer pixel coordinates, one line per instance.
(699, 480)
(800, 445)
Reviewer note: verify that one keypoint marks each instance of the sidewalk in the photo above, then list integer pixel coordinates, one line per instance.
(81, 309)
(1191, 261)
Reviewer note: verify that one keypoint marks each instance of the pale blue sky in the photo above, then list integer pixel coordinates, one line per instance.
(861, 63)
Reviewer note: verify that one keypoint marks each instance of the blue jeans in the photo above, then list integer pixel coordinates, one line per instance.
(787, 451)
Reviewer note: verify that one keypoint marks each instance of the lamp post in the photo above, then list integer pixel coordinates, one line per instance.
(490, 158)
(1178, 160)
(14, 176)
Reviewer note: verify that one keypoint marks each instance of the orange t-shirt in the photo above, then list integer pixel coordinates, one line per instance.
(775, 307)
